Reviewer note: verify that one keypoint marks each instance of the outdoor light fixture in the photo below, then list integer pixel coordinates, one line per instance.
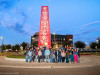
(45, 44)
(54, 33)
(1, 37)
(97, 40)
(33, 38)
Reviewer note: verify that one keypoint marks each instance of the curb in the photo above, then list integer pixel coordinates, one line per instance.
(14, 59)
(46, 67)
(41, 67)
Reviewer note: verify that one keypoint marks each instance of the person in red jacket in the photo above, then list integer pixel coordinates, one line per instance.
(67, 47)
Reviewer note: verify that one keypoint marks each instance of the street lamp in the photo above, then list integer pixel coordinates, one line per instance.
(2, 40)
(54, 37)
(33, 38)
(97, 40)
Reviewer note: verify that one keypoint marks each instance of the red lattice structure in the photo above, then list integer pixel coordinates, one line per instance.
(44, 32)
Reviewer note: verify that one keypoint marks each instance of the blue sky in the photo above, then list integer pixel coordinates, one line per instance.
(20, 19)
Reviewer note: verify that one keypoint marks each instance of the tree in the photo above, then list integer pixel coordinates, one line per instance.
(17, 46)
(79, 44)
(52, 44)
(13, 48)
(8, 46)
(65, 43)
(24, 44)
(98, 43)
(93, 45)
(35, 43)
(3, 48)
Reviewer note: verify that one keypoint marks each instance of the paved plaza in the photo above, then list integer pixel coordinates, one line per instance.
(89, 65)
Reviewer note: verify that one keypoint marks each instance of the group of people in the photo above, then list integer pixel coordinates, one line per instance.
(45, 54)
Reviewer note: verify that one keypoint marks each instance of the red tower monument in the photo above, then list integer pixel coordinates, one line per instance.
(44, 32)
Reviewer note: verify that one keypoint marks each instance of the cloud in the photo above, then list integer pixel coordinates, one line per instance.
(88, 28)
(14, 18)
(87, 32)
(90, 24)
(7, 4)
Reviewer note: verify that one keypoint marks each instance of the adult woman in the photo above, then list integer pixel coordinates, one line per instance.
(39, 55)
(63, 54)
(67, 55)
(75, 56)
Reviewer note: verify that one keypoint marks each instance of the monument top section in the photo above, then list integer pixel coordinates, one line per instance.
(44, 32)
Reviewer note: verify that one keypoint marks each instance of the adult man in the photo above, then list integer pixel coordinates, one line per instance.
(47, 53)
(33, 54)
(65, 48)
(51, 54)
(59, 55)
(30, 54)
(43, 56)
(27, 49)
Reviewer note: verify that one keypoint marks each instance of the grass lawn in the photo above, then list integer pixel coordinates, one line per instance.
(16, 56)
(90, 53)
(22, 56)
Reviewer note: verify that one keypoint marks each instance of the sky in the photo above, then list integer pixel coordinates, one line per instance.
(20, 19)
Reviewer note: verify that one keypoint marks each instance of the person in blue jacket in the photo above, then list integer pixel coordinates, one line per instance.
(47, 53)
(30, 54)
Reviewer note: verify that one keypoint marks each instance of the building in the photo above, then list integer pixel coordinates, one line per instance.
(56, 39)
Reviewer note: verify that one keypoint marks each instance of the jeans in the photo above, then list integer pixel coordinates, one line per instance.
(43, 58)
(36, 57)
(30, 57)
(78, 59)
(56, 59)
(26, 58)
(39, 58)
(63, 59)
(51, 60)
(33, 57)
(47, 58)
(59, 58)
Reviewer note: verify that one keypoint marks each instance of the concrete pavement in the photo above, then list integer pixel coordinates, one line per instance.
(86, 61)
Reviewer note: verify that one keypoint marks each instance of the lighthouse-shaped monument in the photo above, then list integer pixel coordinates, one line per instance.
(44, 31)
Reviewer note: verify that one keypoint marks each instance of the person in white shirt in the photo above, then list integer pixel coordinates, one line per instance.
(39, 55)
(63, 54)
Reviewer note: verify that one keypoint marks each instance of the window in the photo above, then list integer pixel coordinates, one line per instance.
(70, 39)
(64, 39)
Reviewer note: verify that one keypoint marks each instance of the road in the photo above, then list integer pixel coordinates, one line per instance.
(53, 71)
(89, 65)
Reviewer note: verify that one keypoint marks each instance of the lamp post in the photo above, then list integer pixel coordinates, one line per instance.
(97, 40)
(2, 41)
(54, 37)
